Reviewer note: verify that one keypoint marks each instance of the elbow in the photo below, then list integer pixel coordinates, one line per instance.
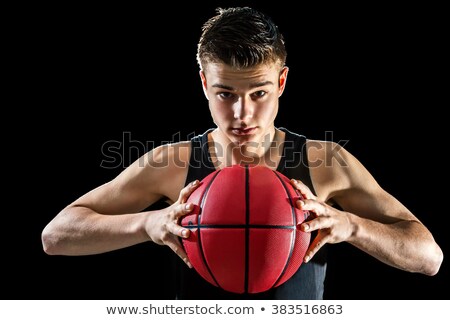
(434, 261)
(50, 241)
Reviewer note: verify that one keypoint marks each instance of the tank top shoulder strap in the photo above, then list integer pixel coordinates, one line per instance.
(200, 164)
(294, 161)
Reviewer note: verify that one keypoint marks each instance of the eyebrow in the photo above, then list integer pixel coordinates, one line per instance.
(252, 85)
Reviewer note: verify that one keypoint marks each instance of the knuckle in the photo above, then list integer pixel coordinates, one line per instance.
(183, 208)
(193, 184)
(172, 213)
(319, 244)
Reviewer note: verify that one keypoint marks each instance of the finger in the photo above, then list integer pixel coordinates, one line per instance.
(316, 224)
(178, 249)
(178, 230)
(186, 191)
(304, 190)
(312, 205)
(318, 243)
(180, 211)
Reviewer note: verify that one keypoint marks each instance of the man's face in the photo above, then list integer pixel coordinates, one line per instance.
(244, 103)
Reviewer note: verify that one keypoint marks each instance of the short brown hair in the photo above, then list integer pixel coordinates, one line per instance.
(240, 37)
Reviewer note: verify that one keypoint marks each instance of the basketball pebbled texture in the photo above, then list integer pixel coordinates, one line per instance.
(244, 229)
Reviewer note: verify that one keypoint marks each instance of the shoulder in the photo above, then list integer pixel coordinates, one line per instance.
(167, 155)
(157, 175)
(161, 171)
(326, 154)
(169, 165)
(319, 152)
(333, 169)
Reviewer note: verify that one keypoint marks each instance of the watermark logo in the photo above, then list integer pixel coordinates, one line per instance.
(121, 153)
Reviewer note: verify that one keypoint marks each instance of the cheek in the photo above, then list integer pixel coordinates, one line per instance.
(268, 110)
(219, 112)
(219, 106)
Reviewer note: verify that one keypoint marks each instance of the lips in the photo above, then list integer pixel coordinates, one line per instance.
(243, 131)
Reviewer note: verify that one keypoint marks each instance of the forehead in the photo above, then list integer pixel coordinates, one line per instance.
(219, 72)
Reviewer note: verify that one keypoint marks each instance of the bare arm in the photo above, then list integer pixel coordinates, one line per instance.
(372, 220)
(109, 217)
(80, 230)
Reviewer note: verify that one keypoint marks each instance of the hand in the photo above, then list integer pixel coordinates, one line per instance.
(163, 225)
(332, 224)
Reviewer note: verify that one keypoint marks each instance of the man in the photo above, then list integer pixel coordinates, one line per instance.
(242, 56)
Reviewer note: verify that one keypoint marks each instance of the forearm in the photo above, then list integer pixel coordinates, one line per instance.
(82, 231)
(406, 245)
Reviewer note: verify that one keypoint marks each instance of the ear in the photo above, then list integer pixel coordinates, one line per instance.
(204, 85)
(282, 81)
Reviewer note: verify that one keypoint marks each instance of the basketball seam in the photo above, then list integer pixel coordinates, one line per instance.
(294, 220)
(247, 229)
(239, 226)
(200, 246)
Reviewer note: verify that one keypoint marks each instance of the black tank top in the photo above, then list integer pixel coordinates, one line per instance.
(307, 283)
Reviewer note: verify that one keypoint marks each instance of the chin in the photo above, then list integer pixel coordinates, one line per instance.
(249, 141)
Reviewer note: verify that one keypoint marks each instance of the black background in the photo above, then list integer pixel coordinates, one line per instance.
(91, 75)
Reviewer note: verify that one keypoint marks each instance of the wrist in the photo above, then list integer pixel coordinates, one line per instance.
(141, 225)
(354, 226)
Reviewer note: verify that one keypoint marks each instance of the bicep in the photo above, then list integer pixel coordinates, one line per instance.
(131, 191)
(114, 198)
(359, 193)
(373, 203)
(159, 174)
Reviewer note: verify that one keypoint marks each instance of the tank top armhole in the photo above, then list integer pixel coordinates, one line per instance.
(199, 162)
(294, 162)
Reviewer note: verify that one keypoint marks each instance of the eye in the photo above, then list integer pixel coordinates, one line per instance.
(259, 94)
(225, 95)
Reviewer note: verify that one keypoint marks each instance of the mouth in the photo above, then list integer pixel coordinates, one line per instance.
(243, 131)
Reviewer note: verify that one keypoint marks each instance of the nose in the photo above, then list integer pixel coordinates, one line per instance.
(243, 109)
